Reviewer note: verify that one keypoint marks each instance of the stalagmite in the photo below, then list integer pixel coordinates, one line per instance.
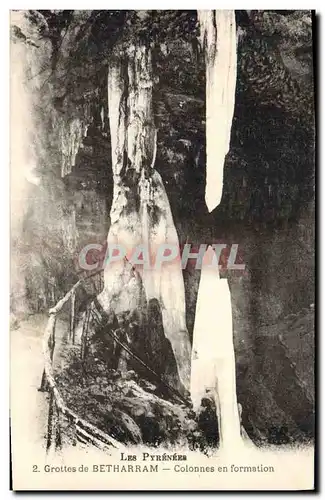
(213, 358)
(140, 212)
(218, 40)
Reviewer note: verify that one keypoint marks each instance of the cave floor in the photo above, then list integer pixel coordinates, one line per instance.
(29, 412)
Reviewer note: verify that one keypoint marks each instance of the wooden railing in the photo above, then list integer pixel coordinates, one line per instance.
(58, 410)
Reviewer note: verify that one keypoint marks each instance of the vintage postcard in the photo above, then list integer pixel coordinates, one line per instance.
(162, 249)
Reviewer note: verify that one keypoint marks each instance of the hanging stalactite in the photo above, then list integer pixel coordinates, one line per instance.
(218, 41)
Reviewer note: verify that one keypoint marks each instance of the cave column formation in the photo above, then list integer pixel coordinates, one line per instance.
(140, 212)
(213, 358)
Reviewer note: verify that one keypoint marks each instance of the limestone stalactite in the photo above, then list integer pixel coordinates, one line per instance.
(218, 41)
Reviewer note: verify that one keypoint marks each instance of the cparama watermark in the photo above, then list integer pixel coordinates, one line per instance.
(96, 256)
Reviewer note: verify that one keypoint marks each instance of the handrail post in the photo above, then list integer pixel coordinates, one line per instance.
(44, 387)
(50, 422)
(51, 324)
(52, 337)
(72, 316)
(84, 335)
(58, 440)
(53, 425)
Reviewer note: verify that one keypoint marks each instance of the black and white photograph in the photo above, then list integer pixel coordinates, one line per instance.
(162, 250)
